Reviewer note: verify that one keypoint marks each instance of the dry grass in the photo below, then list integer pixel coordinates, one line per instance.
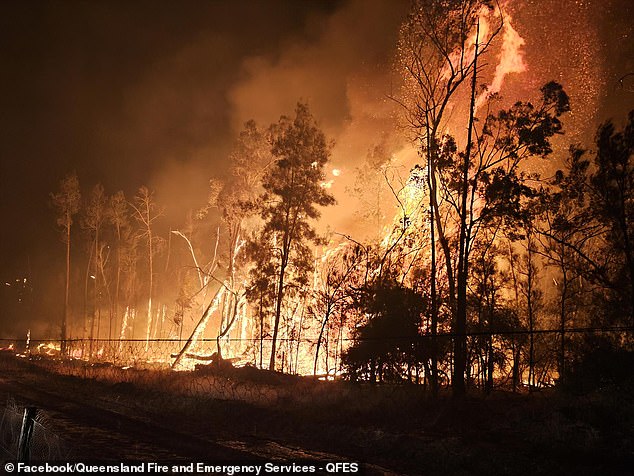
(399, 427)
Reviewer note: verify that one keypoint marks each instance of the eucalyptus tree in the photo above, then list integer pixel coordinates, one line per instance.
(438, 56)
(118, 215)
(67, 203)
(93, 220)
(146, 212)
(293, 191)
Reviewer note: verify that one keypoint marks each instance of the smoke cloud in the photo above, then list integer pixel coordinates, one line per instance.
(345, 73)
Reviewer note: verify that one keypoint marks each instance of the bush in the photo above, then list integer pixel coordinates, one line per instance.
(601, 365)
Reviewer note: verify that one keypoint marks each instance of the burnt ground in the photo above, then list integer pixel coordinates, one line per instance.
(389, 430)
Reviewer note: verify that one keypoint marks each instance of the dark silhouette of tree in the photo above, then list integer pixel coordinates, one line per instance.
(612, 199)
(485, 188)
(66, 202)
(588, 230)
(437, 57)
(564, 225)
(591, 216)
(485, 303)
(388, 345)
(292, 192)
(529, 289)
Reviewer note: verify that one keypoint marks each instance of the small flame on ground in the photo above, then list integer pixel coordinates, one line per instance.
(49, 348)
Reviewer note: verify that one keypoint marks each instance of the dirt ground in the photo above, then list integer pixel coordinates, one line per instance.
(146, 417)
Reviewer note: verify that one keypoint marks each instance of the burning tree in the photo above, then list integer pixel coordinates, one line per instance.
(478, 183)
(371, 189)
(339, 274)
(235, 199)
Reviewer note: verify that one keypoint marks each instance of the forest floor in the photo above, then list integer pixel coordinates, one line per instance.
(389, 430)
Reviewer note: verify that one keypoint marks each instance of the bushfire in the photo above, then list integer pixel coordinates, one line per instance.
(415, 240)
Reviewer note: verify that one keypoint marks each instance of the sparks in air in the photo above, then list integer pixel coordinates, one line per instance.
(270, 272)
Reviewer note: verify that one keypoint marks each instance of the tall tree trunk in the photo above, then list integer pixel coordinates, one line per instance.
(229, 317)
(516, 342)
(562, 317)
(516, 365)
(531, 318)
(230, 307)
(63, 347)
(490, 364)
(460, 338)
(299, 336)
(490, 360)
(278, 308)
(118, 278)
(95, 283)
(151, 270)
(87, 318)
(261, 328)
(339, 350)
(321, 335)
(431, 161)
(629, 254)
(199, 329)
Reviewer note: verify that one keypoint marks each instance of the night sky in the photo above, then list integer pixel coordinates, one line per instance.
(132, 93)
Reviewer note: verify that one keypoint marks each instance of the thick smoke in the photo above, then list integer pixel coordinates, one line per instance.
(338, 62)
(345, 74)
(341, 62)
